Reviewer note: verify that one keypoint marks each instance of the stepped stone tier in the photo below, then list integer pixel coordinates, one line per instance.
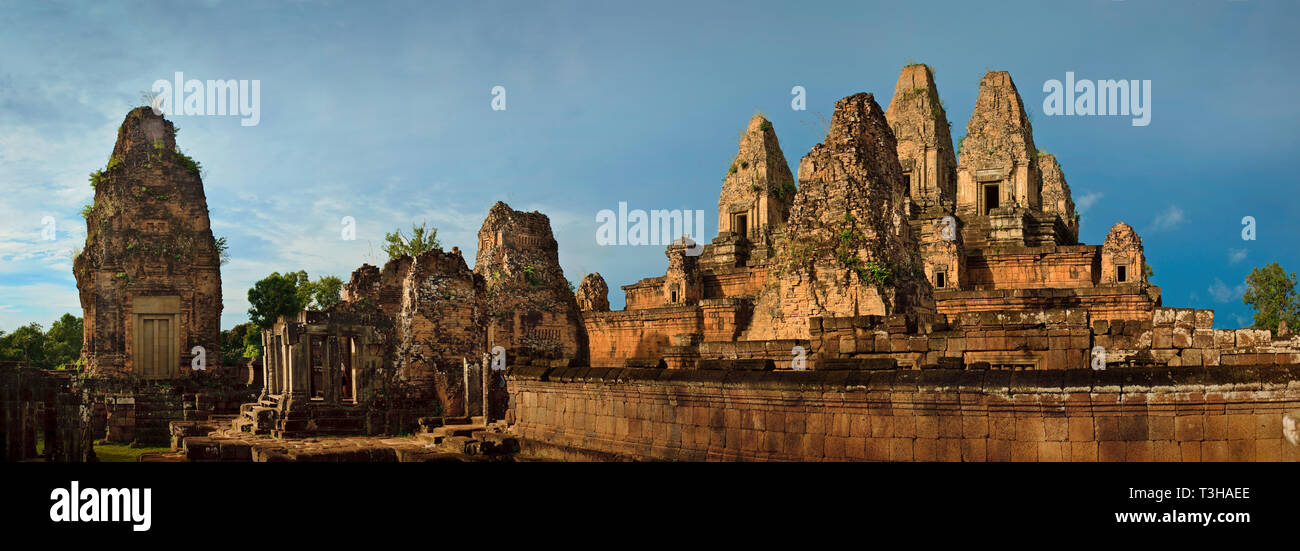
(149, 276)
(993, 233)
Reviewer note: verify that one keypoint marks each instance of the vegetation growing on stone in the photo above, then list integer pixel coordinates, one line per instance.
(423, 238)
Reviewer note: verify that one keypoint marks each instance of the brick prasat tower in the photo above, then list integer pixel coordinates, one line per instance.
(150, 274)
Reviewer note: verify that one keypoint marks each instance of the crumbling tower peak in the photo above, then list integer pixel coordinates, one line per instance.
(533, 312)
(142, 133)
(1056, 197)
(998, 146)
(848, 250)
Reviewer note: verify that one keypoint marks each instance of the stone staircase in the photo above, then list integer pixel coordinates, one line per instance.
(256, 418)
(468, 435)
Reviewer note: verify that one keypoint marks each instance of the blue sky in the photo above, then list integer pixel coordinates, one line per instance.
(382, 111)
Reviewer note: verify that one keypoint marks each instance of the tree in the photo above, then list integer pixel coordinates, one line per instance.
(25, 344)
(285, 295)
(1272, 294)
(326, 291)
(63, 341)
(233, 342)
(53, 349)
(421, 240)
(274, 296)
(252, 344)
(223, 250)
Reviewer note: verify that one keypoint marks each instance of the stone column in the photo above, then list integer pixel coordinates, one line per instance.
(487, 379)
(298, 368)
(332, 378)
(266, 367)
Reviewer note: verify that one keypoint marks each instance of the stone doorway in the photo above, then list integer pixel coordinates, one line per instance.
(155, 350)
(991, 198)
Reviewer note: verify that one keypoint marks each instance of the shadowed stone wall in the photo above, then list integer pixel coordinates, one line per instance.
(1166, 414)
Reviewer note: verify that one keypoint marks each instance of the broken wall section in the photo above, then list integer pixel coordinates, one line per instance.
(532, 311)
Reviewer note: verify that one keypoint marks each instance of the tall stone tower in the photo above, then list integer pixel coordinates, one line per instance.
(150, 274)
(1000, 176)
(925, 152)
(1056, 196)
(925, 155)
(997, 168)
(758, 188)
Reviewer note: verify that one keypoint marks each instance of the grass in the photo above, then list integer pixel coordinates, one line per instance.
(124, 453)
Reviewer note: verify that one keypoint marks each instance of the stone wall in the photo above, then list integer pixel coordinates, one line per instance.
(1177, 414)
(637, 334)
(1049, 340)
(38, 404)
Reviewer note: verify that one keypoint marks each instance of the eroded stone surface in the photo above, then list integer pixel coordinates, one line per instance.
(848, 249)
(998, 147)
(593, 294)
(533, 312)
(757, 190)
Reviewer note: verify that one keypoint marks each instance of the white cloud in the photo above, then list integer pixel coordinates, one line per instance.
(1236, 255)
(1169, 219)
(42, 302)
(1087, 201)
(1222, 293)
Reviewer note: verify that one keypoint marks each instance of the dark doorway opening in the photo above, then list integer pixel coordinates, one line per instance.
(990, 198)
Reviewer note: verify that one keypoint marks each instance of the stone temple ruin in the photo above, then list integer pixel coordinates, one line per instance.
(418, 335)
(905, 299)
(891, 249)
